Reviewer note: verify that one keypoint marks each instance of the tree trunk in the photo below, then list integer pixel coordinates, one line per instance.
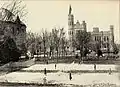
(57, 53)
(40, 52)
(62, 53)
(81, 52)
(44, 51)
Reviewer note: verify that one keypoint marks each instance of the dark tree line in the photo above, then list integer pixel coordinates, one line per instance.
(9, 51)
(81, 42)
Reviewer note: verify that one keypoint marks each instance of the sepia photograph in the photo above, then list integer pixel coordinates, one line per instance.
(59, 43)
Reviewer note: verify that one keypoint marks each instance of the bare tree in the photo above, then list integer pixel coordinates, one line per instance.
(32, 41)
(51, 44)
(63, 43)
(57, 36)
(115, 49)
(30, 38)
(12, 9)
(82, 40)
(44, 41)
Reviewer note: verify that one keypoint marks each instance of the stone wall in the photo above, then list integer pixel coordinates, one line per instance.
(12, 65)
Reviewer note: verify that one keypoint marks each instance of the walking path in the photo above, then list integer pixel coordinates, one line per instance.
(60, 78)
(73, 66)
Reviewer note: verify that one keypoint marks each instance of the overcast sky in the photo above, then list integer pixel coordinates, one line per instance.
(49, 14)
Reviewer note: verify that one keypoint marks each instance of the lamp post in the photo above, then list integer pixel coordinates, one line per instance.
(108, 47)
(40, 48)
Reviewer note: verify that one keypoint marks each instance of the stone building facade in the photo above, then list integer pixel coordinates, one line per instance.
(104, 38)
(14, 29)
(74, 27)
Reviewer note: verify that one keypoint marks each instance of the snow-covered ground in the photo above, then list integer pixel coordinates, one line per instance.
(72, 66)
(60, 77)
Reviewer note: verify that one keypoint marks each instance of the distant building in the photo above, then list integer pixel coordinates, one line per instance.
(14, 29)
(104, 38)
(74, 27)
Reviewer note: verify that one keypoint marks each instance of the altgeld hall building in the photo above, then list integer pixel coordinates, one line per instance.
(106, 37)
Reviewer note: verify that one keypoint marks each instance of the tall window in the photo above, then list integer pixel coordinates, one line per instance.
(0, 26)
(104, 38)
(107, 38)
(95, 38)
(70, 32)
(70, 22)
(105, 46)
(99, 38)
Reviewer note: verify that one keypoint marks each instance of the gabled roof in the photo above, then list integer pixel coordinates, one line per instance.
(18, 20)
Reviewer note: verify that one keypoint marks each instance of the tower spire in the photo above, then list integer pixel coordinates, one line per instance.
(70, 9)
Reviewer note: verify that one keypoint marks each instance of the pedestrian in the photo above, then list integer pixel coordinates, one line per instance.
(70, 76)
(45, 72)
(55, 66)
(94, 66)
(110, 71)
(47, 62)
(44, 80)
